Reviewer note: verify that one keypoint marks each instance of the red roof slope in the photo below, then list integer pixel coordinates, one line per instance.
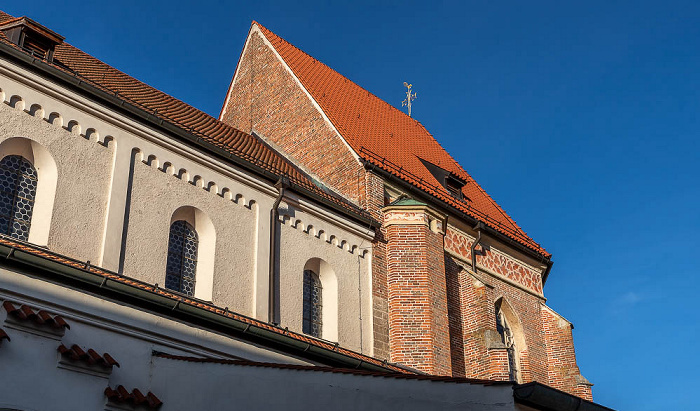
(388, 138)
(165, 107)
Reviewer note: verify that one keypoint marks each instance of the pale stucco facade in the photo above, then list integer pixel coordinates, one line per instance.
(119, 184)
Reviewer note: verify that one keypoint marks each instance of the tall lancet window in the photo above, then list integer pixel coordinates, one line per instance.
(504, 329)
(18, 181)
(182, 258)
(312, 304)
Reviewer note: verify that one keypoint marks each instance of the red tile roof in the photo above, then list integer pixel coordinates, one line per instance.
(177, 299)
(3, 336)
(89, 357)
(133, 398)
(171, 110)
(26, 313)
(334, 370)
(386, 137)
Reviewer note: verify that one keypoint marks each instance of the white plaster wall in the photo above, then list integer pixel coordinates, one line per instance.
(83, 177)
(299, 244)
(155, 196)
(128, 334)
(91, 205)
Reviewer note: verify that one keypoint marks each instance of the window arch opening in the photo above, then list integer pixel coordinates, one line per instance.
(191, 252)
(320, 300)
(28, 189)
(510, 329)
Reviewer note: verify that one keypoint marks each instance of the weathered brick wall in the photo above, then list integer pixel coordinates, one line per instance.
(472, 315)
(533, 364)
(266, 99)
(563, 373)
(470, 318)
(418, 326)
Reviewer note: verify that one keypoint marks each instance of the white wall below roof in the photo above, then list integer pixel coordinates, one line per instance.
(33, 381)
(94, 160)
(351, 271)
(82, 169)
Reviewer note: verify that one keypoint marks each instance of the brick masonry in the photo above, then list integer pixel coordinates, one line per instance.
(563, 372)
(418, 320)
(429, 311)
(266, 99)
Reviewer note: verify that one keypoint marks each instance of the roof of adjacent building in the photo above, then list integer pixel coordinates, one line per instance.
(58, 264)
(391, 140)
(164, 107)
(335, 370)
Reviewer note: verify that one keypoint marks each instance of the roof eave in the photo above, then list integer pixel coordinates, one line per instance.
(122, 105)
(145, 296)
(453, 210)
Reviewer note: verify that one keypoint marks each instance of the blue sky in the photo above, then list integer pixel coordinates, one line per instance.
(580, 118)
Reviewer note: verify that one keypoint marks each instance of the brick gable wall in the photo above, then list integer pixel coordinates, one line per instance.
(443, 320)
(266, 99)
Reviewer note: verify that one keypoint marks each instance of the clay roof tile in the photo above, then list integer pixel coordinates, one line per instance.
(373, 128)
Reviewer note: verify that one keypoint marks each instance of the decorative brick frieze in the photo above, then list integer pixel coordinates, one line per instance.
(492, 260)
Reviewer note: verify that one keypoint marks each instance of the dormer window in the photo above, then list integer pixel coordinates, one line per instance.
(32, 37)
(450, 181)
(454, 186)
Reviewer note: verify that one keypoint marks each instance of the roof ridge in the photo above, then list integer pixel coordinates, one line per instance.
(327, 87)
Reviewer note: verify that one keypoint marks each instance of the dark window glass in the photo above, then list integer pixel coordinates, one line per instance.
(18, 181)
(312, 304)
(182, 258)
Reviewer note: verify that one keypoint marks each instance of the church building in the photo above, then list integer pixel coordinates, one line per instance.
(312, 245)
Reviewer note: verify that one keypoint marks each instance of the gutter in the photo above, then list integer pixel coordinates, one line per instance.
(82, 276)
(479, 226)
(274, 216)
(436, 201)
(542, 397)
(112, 100)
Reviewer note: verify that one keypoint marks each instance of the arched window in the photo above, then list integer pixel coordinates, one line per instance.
(181, 267)
(313, 304)
(512, 336)
(18, 182)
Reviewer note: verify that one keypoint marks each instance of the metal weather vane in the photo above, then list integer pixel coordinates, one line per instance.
(409, 97)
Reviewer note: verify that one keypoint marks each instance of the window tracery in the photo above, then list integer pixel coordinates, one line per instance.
(181, 267)
(313, 304)
(18, 183)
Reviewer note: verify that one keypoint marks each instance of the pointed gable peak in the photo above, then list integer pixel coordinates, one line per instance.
(386, 137)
